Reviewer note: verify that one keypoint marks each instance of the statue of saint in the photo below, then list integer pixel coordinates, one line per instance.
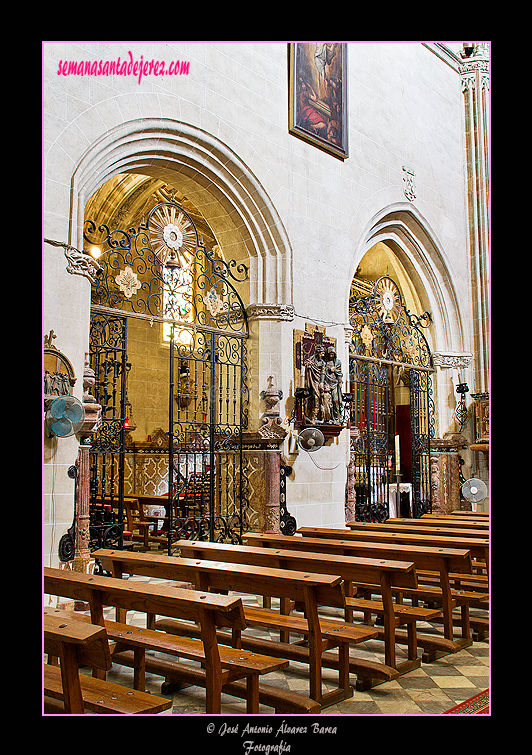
(331, 382)
(313, 382)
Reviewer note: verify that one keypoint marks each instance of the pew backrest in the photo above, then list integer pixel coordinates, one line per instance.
(423, 557)
(150, 598)
(415, 528)
(218, 575)
(477, 546)
(88, 640)
(401, 573)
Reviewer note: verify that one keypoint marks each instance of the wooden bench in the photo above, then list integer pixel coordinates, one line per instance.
(221, 665)
(440, 559)
(307, 588)
(478, 514)
(479, 551)
(77, 644)
(411, 526)
(387, 573)
(477, 546)
(449, 523)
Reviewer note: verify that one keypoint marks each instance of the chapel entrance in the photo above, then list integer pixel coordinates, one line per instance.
(168, 347)
(392, 411)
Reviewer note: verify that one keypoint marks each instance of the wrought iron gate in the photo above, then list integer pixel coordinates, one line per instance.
(163, 273)
(108, 359)
(369, 451)
(387, 341)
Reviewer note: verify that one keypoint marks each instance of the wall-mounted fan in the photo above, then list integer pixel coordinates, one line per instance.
(64, 416)
(309, 439)
(474, 490)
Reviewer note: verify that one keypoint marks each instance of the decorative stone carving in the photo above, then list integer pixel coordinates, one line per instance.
(59, 377)
(77, 262)
(445, 472)
(272, 422)
(270, 311)
(410, 188)
(451, 359)
(93, 411)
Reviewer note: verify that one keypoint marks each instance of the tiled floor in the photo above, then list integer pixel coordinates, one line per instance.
(432, 689)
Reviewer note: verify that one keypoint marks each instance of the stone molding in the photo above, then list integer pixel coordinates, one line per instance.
(270, 312)
(77, 262)
(451, 359)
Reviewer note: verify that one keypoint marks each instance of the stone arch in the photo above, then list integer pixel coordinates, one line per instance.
(404, 230)
(217, 181)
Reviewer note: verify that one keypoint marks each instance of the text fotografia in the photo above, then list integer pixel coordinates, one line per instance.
(251, 746)
(127, 67)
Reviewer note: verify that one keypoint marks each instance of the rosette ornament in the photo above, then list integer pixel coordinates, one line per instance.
(172, 236)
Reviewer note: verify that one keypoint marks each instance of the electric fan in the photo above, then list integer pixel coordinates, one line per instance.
(311, 439)
(474, 490)
(64, 416)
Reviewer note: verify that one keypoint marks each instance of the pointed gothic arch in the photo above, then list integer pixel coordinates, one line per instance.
(217, 181)
(409, 235)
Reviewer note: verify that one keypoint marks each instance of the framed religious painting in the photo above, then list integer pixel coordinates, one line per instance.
(318, 94)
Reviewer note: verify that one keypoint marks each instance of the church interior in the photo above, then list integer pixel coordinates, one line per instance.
(266, 372)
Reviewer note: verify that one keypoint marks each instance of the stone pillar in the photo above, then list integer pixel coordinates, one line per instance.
(474, 73)
(262, 454)
(445, 473)
(78, 535)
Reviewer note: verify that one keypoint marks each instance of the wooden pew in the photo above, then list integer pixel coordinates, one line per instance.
(387, 573)
(221, 665)
(478, 514)
(449, 523)
(477, 546)
(310, 589)
(412, 527)
(75, 644)
(425, 557)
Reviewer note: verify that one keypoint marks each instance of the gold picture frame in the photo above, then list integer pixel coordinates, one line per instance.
(317, 105)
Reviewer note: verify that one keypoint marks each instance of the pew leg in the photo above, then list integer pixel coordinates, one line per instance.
(72, 695)
(213, 692)
(411, 629)
(139, 674)
(466, 626)
(252, 694)
(343, 666)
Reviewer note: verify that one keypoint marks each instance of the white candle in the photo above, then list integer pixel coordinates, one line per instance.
(397, 455)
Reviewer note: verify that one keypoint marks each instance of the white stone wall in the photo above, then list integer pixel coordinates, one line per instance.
(307, 217)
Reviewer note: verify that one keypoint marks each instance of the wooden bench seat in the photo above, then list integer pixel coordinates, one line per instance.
(450, 523)
(385, 572)
(414, 527)
(477, 546)
(440, 559)
(76, 643)
(207, 610)
(461, 598)
(310, 589)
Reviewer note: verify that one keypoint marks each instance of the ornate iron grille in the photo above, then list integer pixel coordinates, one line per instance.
(387, 338)
(108, 353)
(162, 272)
(369, 448)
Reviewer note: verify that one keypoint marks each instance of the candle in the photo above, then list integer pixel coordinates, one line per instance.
(397, 455)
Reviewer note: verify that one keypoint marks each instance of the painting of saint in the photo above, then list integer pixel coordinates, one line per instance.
(318, 106)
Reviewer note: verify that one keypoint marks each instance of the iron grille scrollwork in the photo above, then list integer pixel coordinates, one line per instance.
(162, 271)
(388, 341)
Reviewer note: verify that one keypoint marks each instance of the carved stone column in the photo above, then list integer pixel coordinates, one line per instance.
(474, 74)
(262, 454)
(445, 472)
(82, 560)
